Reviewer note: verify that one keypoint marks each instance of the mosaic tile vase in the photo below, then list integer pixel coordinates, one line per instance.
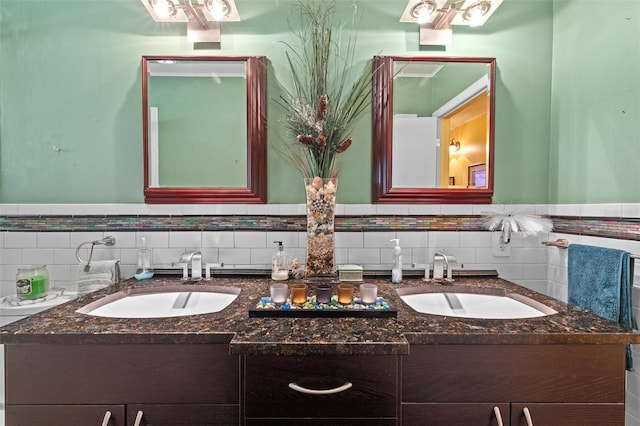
(321, 204)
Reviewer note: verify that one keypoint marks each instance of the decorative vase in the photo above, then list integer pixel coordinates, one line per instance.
(321, 203)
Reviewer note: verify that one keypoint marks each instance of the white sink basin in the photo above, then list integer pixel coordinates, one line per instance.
(162, 302)
(460, 302)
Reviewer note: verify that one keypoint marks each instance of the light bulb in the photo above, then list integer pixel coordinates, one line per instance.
(218, 8)
(475, 13)
(423, 16)
(163, 8)
(422, 11)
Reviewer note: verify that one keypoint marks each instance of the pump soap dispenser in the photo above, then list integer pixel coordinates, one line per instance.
(144, 269)
(396, 271)
(279, 267)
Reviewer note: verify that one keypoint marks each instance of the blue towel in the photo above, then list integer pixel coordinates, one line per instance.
(600, 281)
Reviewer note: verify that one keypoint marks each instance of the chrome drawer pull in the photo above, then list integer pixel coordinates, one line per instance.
(106, 418)
(138, 421)
(527, 416)
(339, 389)
(496, 411)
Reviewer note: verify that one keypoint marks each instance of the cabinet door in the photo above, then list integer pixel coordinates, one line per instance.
(65, 415)
(114, 373)
(455, 414)
(184, 414)
(568, 414)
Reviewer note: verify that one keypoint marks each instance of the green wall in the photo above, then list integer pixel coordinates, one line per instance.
(595, 107)
(202, 130)
(70, 92)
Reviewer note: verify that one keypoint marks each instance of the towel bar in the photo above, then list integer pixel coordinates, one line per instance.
(563, 244)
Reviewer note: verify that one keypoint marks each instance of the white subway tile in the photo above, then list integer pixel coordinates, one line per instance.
(20, 239)
(263, 209)
(602, 210)
(186, 239)
(8, 209)
(289, 239)
(364, 256)
(392, 209)
(166, 256)
(442, 240)
(457, 209)
(37, 256)
(123, 239)
(565, 210)
(413, 239)
(359, 209)
(53, 239)
(218, 239)
(475, 239)
(349, 239)
(10, 256)
(235, 256)
(261, 256)
(379, 239)
(153, 239)
(631, 210)
(250, 239)
(425, 209)
(293, 209)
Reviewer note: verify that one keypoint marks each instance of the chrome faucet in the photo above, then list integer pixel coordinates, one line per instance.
(441, 262)
(194, 259)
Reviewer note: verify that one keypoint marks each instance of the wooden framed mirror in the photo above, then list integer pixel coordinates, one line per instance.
(433, 130)
(204, 129)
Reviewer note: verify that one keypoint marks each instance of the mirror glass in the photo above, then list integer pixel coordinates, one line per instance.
(433, 130)
(204, 135)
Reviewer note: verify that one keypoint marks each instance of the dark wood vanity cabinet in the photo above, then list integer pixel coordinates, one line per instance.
(321, 390)
(169, 384)
(566, 385)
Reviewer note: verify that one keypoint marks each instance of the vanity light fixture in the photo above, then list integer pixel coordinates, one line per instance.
(203, 17)
(436, 17)
(454, 146)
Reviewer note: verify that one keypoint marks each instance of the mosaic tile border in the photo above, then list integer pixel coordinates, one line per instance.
(621, 228)
(234, 223)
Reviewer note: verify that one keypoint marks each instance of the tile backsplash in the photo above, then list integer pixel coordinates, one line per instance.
(241, 236)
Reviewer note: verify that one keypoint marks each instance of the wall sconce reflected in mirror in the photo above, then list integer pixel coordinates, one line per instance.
(436, 17)
(203, 17)
(454, 146)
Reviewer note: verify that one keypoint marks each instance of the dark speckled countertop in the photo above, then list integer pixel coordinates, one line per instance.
(304, 336)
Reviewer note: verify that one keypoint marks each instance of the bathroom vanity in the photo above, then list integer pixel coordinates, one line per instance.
(226, 368)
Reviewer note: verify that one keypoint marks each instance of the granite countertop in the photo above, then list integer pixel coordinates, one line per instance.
(305, 336)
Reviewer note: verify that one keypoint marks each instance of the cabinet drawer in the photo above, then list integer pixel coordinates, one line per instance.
(455, 414)
(104, 374)
(184, 414)
(63, 415)
(373, 392)
(489, 373)
(569, 414)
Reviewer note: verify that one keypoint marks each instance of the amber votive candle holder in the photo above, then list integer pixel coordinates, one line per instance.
(299, 293)
(323, 293)
(345, 293)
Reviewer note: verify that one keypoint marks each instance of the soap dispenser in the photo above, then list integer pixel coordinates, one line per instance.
(279, 267)
(144, 270)
(396, 271)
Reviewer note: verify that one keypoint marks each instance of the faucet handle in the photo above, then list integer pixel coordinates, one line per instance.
(185, 269)
(208, 266)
